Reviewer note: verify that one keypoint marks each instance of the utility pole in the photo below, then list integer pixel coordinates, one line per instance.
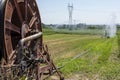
(70, 10)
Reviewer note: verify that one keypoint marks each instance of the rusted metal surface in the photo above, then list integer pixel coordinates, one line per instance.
(23, 54)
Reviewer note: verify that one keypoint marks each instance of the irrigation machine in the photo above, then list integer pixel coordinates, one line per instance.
(22, 53)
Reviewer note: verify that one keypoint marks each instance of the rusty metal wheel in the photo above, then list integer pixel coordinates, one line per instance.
(19, 14)
(18, 19)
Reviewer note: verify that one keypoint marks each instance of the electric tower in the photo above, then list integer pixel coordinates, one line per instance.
(70, 10)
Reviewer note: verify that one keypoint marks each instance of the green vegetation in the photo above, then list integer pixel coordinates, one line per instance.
(97, 57)
(74, 31)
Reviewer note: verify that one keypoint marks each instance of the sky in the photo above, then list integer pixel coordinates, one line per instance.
(84, 11)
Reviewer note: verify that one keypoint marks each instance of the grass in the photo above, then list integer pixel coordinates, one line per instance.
(101, 59)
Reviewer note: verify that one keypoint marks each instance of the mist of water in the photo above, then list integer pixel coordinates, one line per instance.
(111, 29)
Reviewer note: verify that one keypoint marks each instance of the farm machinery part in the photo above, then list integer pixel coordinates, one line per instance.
(22, 53)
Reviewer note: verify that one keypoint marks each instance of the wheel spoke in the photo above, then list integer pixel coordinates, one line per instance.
(11, 55)
(26, 10)
(12, 27)
(32, 21)
(31, 10)
(18, 11)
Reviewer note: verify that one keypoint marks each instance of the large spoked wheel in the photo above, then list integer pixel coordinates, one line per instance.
(18, 19)
(19, 14)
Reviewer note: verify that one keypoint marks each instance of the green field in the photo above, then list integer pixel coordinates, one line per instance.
(84, 57)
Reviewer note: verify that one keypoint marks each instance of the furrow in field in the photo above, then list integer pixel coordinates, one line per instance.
(76, 47)
(69, 46)
(56, 38)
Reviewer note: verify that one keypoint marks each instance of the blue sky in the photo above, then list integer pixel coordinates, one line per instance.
(85, 11)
